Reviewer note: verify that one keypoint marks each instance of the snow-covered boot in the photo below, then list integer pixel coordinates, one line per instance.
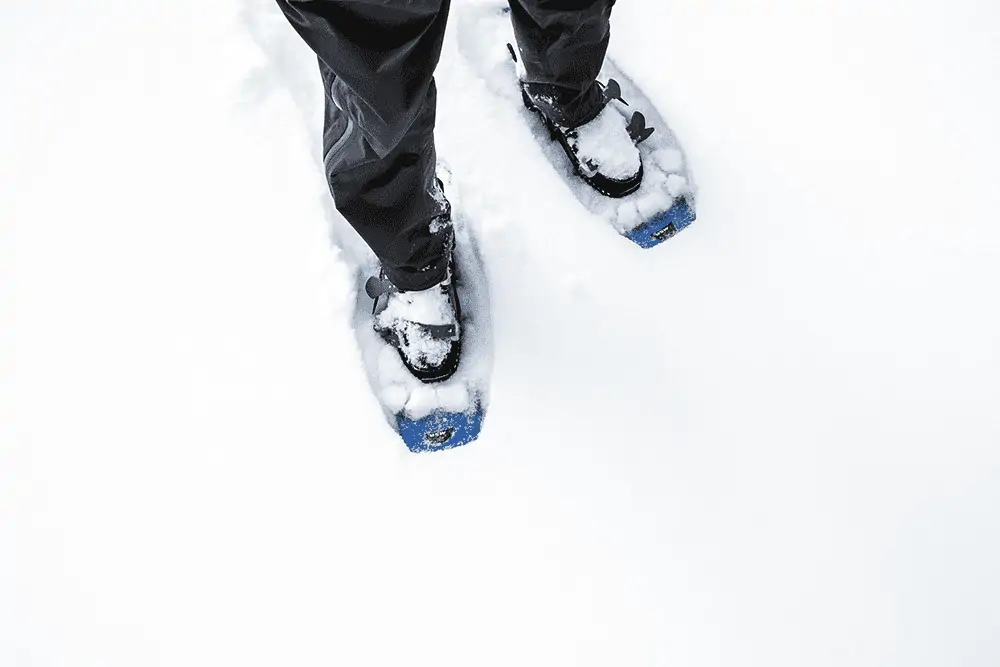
(604, 151)
(423, 326)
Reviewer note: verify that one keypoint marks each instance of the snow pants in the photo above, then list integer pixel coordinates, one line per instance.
(377, 61)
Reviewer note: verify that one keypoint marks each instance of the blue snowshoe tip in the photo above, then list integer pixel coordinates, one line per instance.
(661, 227)
(440, 430)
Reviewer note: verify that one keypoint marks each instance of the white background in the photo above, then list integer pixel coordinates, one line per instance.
(773, 441)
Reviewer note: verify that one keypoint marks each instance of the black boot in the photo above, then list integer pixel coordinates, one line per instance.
(603, 150)
(424, 326)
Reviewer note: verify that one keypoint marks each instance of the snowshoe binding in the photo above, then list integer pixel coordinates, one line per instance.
(423, 326)
(604, 151)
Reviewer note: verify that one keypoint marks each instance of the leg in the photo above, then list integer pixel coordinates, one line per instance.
(562, 45)
(377, 61)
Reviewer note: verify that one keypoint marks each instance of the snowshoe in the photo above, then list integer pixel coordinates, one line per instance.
(603, 151)
(647, 202)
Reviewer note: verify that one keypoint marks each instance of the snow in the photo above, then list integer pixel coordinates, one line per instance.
(406, 311)
(427, 307)
(605, 142)
(771, 441)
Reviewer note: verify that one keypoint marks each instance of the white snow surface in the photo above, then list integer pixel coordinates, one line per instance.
(772, 441)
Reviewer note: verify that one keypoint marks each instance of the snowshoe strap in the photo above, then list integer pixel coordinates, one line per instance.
(440, 331)
(637, 128)
(637, 124)
(434, 331)
(378, 286)
(613, 91)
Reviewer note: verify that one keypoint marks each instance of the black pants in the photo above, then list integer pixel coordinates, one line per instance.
(377, 60)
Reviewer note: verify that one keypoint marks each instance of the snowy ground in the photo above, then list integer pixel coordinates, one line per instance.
(773, 441)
